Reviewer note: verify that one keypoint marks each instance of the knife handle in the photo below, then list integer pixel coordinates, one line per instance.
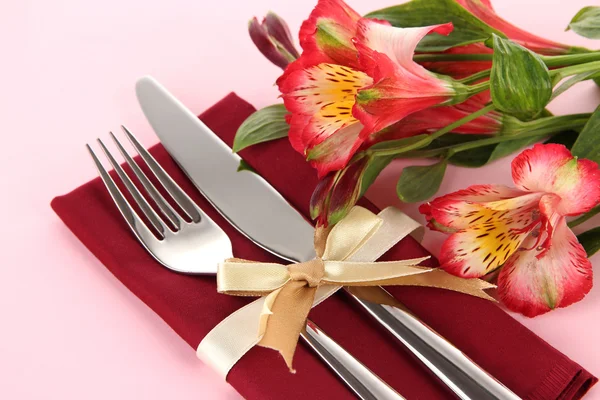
(364, 383)
(466, 379)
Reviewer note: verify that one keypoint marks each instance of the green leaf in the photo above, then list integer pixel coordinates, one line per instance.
(481, 156)
(504, 149)
(590, 241)
(520, 82)
(374, 168)
(586, 22)
(587, 144)
(244, 166)
(473, 158)
(566, 85)
(467, 27)
(264, 125)
(419, 183)
(596, 79)
(566, 138)
(452, 139)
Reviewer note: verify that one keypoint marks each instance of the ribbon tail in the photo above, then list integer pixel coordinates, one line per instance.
(439, 278)
(284, 318)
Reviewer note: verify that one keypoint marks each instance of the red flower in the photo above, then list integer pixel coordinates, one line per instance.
(483, 10)
(523, 230)
(355, 77)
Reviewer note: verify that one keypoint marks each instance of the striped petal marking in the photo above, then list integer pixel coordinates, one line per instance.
(326, 93)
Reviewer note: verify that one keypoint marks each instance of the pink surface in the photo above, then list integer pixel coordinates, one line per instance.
(70, 330)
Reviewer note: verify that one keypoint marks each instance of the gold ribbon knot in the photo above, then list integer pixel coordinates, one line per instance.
(311, 272)
(344, 258)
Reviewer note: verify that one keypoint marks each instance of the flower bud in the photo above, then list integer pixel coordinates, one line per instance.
(346, 190)
(272, 37)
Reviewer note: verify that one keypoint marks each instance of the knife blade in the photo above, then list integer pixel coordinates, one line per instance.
(268, 220)
(244, 198)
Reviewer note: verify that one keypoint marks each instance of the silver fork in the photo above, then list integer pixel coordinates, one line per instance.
(178, 242)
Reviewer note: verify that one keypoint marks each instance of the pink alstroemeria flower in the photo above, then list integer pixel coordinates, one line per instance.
(523, 230)
(355, 77)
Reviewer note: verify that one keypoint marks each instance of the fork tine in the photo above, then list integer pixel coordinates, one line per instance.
(158, 198)
(131, 217)
(134, 191)
(180, 197)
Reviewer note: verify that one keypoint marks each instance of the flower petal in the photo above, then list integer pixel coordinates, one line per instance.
(532, 285)
(483, 10)
(401, 86)
(298, 123)
(327, 33)
(333, 153)
(551, 168)
(397, 45)
(490, 234)
(320, 99)
(458, 69)
(454, 211)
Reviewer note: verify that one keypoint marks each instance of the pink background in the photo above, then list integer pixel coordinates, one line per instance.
(69, 329)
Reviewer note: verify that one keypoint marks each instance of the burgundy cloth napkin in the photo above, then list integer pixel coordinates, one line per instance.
(192, 307)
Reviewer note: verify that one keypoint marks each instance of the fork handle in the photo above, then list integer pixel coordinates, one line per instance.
(362, 381)
(466, 379)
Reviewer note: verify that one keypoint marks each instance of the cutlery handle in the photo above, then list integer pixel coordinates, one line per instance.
(466, 379)
(364, 383)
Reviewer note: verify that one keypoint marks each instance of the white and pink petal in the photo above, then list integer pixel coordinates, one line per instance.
(397, 45)
(401, 86)
(458, 210)
(536, 281)
(551, 168)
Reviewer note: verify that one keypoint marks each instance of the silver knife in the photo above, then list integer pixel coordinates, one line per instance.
(257, 210)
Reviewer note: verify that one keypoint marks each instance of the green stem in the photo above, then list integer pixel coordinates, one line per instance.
(580, 220)
(449, 151)
(550, 125)
(478, 88)
(550, 61)
(476, 77)
(570, 59)
(462, 121)
(426, 141)
(559, 73)
(574, 70)
(537, 128)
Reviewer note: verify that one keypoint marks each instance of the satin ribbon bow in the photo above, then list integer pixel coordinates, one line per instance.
(344, 258)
